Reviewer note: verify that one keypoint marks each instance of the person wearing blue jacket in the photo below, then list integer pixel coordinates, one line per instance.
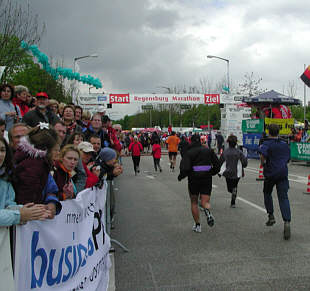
(275, 154)
(12, 214)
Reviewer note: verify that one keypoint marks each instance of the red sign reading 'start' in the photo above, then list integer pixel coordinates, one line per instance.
(212, 98)
(119, 98)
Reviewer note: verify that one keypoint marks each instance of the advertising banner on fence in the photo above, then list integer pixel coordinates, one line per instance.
(6, 274)
(284, 124)
(300, 151)
(253, 125)
(70, 252)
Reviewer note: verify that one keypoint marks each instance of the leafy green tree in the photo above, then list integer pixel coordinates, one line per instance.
(17, 22)
(38, 80)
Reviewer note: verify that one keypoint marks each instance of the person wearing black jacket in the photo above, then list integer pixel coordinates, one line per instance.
(199, 164)
(183, 146)
(41, 113)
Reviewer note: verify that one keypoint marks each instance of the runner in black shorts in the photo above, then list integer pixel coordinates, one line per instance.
(199, 164)
(200, 188)
(173, 142)
(172, 154)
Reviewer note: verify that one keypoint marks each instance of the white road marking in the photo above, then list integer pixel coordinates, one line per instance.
(246, 201)
(150, 177)
(251, 204)
(291, 177)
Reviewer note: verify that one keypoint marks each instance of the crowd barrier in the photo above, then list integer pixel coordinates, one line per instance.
(110, 214)
(69, 252)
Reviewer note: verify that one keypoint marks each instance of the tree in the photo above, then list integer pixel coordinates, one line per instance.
(38, 80)
(292, 89)
(17, 22)
(251, 85)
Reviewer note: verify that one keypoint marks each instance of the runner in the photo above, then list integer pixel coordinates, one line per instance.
(275, 154)
(156, 152)
(173, 142)
(136, 148)
(235, 161)
(199, 165)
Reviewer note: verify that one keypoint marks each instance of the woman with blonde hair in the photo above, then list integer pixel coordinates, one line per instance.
(64, 171)
(61, 107)
(53, 105)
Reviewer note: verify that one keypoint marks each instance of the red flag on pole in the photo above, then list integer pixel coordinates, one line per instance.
(306, 76)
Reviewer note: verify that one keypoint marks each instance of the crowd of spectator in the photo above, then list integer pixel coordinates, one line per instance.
(49, 152)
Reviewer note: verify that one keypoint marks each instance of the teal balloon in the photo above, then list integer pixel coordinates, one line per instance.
(59, 71)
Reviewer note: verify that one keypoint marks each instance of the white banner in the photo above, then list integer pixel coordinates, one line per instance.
(95, 99)
(6, 273)
(132, 98)
(70, 252)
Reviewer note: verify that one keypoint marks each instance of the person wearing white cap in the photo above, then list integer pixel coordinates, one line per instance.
(86, 149)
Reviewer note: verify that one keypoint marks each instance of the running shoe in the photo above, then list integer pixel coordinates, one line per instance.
(271, 220)
(210, 218)
(287, 230)
(196, 228)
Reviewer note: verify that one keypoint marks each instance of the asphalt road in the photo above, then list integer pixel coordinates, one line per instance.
(239, 253)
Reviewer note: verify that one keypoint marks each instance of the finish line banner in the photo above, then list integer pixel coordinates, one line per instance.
(141, 99)
(70, 252)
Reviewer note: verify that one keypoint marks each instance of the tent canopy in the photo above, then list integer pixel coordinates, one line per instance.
(272, 97)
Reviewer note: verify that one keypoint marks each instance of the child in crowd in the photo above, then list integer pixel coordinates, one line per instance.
(32, 163)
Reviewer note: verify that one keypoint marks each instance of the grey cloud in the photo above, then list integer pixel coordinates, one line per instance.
(162, 19)
(142, 47)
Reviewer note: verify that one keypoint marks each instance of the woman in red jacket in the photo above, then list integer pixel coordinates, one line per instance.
(21, 99)
(135, 148)
(156, 152)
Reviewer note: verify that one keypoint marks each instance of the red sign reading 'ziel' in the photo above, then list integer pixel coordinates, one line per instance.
(119, 98)
(212, 98)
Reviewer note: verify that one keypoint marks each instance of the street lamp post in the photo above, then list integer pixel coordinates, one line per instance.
(83, 57)
(305, 99)
(74, 66)
(227, 61)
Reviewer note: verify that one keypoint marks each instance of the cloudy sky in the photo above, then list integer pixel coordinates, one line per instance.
(146, 45)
